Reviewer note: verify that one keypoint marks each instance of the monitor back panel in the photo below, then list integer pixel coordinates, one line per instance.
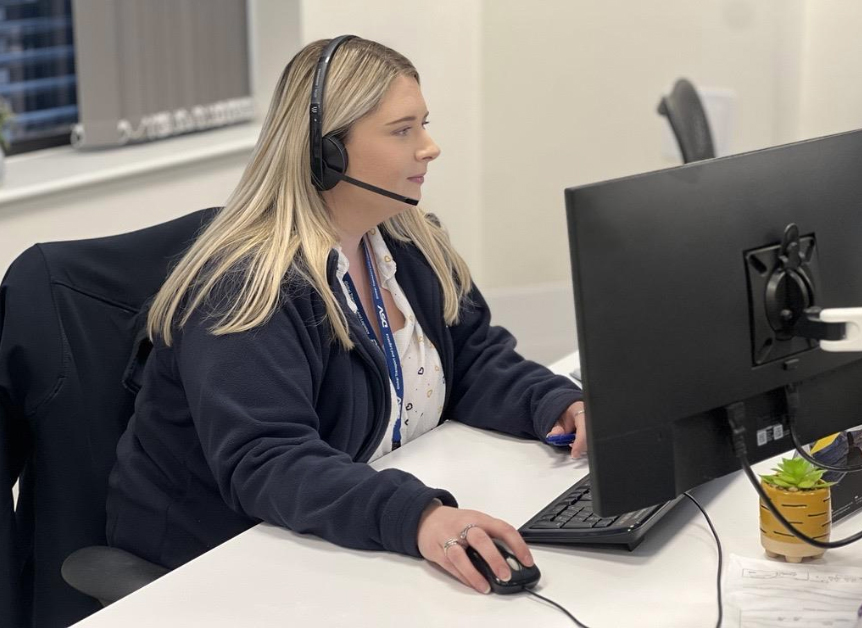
(663, 309)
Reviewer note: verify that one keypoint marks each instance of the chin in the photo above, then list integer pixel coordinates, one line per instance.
(398, 207)
(395, 208)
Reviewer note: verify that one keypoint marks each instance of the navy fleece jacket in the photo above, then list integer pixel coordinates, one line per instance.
(276, 424)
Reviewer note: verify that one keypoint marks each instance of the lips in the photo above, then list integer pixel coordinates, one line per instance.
(417, 179)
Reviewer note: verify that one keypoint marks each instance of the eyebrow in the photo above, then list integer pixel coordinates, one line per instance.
(405, 119)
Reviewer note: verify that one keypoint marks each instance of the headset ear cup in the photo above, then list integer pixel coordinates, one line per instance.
(334, 161)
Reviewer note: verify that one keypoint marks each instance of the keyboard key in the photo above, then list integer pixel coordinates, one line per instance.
(547, 525)
(577, 524)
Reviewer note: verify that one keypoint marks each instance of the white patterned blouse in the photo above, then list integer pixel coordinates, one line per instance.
(424, 383)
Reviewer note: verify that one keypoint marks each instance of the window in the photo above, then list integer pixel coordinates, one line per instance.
(37, 72)
(103, 73)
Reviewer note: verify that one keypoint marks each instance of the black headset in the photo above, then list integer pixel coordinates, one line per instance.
(328, 154)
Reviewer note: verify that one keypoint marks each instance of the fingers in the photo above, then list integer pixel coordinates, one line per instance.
(468, 574)
(509, 535)
(579, 446)
(557, 429)
(482, 543)
(569, 416)
(573, 420)
(447, 564)
(578, 419)
(566, 422)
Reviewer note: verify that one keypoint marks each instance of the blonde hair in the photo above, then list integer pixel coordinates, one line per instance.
(276, 221)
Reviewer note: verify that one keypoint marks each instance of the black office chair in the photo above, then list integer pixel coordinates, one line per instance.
(72, 348)
(684, 110)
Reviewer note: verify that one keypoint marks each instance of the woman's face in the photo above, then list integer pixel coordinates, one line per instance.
(391, 147)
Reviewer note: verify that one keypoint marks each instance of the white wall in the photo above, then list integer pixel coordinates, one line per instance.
(275, 29)
(570, 93)
(830, 93)
(117, 207)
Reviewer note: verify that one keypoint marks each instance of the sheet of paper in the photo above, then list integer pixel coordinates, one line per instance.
(774, 594)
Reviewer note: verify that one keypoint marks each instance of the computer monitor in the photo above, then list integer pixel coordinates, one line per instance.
(682, 310)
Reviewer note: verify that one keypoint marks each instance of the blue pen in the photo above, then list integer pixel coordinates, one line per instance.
(560, 440)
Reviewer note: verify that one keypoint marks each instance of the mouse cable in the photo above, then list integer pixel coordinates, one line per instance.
(718, 546)
(718, 577)
(572, 617)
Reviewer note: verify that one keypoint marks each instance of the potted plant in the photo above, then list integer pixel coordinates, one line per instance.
(799, 492)
(6, 115)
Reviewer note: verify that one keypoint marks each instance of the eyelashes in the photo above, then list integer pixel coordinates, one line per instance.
(405, 130)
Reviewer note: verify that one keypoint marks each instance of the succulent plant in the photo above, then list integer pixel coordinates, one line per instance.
(796, 474)
(6, 116)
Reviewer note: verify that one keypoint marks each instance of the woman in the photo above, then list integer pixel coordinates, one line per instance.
(316, 324)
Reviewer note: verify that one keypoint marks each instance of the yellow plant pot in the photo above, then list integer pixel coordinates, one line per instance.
(810, 512)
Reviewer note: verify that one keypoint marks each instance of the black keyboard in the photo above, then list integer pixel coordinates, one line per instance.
(570, 519)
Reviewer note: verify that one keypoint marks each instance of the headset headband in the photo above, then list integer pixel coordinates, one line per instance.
(316, 108)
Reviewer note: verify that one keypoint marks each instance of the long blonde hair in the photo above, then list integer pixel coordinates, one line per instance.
(276, 221)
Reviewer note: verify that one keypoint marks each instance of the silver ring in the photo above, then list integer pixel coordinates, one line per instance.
(466, 529)
(449, 544)
(579, 412)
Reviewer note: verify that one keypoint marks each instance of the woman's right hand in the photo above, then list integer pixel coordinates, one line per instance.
(440, 524)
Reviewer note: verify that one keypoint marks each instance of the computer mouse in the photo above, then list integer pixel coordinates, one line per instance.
(523, 577)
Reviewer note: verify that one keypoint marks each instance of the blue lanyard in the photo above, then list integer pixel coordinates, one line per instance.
(390, 351)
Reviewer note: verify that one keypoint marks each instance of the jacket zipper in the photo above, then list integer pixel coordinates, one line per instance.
(382, 421)
(362, 344)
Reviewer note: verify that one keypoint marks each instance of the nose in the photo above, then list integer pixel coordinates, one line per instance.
(429, 151)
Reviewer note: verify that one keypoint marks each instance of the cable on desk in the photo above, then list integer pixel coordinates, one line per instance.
(720, 560)
(718, 576)
(572, 617)
(735, 417)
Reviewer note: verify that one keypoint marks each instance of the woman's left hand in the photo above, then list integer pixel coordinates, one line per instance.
(573, 420)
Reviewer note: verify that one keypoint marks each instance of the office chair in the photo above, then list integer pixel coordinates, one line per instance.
(72, 350)
(684, 110)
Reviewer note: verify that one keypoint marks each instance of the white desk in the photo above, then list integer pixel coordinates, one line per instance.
(272, 577)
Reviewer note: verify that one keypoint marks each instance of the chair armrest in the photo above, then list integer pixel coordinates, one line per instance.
(108, 573)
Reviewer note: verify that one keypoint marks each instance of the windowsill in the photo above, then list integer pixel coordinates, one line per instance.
(62, 169)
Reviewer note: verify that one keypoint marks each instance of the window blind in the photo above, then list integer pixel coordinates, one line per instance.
(157, 68)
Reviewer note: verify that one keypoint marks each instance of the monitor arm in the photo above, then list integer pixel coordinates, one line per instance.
(790, 301)
(845, 323)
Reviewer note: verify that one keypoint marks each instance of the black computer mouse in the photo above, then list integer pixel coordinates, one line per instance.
(523, 577)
